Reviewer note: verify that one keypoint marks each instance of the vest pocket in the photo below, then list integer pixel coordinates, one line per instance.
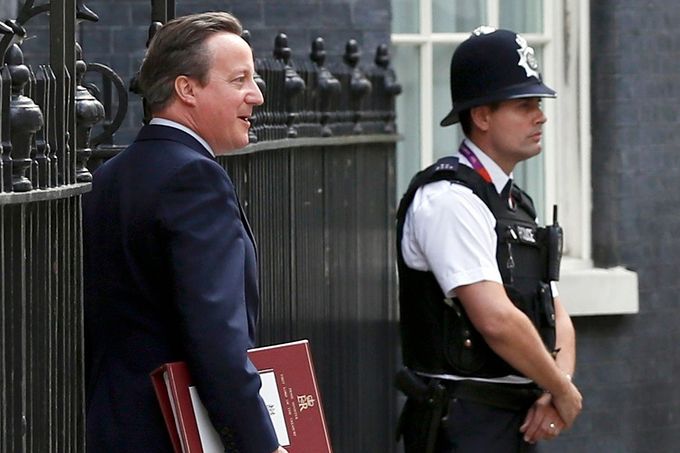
(465, 349)
(546, 305)
(539, 308)
(546, 311)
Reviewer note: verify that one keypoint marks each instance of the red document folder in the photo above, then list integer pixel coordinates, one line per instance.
(289, 389)
(171, 382)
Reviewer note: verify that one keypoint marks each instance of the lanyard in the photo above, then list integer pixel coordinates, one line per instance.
(479, 168)
(474, 161)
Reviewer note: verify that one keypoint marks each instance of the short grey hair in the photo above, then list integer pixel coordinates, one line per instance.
(178, 48)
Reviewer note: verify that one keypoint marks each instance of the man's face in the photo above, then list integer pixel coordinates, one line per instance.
(515, 129)
(226, 102)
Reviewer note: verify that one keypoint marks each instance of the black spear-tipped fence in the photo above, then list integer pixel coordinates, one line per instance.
(317, 181)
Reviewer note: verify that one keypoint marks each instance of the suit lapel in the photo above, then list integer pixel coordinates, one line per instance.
(246, 224)
(159, 132)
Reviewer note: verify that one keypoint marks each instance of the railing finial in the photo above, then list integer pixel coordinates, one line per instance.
(293, 82)
(25, 119)
(89, 111)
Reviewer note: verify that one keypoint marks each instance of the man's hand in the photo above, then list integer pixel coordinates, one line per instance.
(542, 421)
(280, 450)
(514, 338)
(568, 402)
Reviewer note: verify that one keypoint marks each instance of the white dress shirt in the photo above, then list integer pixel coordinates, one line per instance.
(182, 127)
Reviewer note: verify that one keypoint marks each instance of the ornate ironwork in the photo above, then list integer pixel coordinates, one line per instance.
(109, 77)
(327, 84)
(360, 86)
(384, 81)
(293, 83)
(89, 111)
(304, 98)
(6, 158)
(41, 173)
(25, 120)
(323, 102)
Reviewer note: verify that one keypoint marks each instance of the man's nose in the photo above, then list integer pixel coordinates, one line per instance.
(541, 119)
(255, 96)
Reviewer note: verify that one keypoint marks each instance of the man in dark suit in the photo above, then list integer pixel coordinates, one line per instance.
(170, 262)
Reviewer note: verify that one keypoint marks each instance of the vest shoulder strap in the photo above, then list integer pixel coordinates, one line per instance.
(445, 169)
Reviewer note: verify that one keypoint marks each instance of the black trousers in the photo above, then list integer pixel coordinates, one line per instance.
(466, 427)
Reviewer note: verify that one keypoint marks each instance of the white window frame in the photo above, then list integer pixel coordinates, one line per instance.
(585, 290)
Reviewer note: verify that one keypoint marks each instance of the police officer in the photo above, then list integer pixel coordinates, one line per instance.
(489, 349)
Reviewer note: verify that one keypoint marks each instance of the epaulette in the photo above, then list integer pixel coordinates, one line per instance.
(444, 168)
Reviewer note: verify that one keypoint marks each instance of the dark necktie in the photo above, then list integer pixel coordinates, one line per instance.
(506, 194)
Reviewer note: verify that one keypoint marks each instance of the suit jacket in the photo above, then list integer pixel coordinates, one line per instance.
(170, 274)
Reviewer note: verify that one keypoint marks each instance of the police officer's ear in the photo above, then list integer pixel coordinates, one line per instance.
(480, 117)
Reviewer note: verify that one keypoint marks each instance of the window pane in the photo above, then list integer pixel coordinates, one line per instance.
(529, 175)
(406, 64)
(522, 16)
(405, 16)
(450, 16)
(445, 139)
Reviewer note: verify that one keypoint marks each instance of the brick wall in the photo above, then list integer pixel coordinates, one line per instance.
(628, 366)
(118, 39)
(7, 9)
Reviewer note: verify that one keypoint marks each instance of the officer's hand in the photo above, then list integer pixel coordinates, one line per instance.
(568, 403)
(542, 421)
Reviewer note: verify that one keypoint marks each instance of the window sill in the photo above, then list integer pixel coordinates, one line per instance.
(586, 290)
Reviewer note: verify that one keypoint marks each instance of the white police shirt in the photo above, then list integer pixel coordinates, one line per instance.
(450, 232)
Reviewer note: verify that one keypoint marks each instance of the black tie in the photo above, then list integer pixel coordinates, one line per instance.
(506, 194)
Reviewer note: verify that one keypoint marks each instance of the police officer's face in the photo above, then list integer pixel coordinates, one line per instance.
(514, 129)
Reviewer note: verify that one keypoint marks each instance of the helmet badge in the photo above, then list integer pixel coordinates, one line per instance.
(483, 30)
(527, 59)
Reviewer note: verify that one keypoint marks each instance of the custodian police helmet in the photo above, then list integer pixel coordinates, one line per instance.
(493, 65)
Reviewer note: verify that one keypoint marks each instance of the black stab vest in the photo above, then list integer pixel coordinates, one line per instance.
(436, 334)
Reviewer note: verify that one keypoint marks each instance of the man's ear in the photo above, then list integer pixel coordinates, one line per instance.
(480, 117)
(186, 90)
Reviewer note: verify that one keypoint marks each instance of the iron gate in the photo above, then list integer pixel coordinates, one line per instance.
(317, 182)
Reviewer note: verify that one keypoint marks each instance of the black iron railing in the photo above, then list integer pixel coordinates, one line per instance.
(41, 379)
(317, 182)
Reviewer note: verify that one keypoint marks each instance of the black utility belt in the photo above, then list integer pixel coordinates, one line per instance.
(514, 397)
